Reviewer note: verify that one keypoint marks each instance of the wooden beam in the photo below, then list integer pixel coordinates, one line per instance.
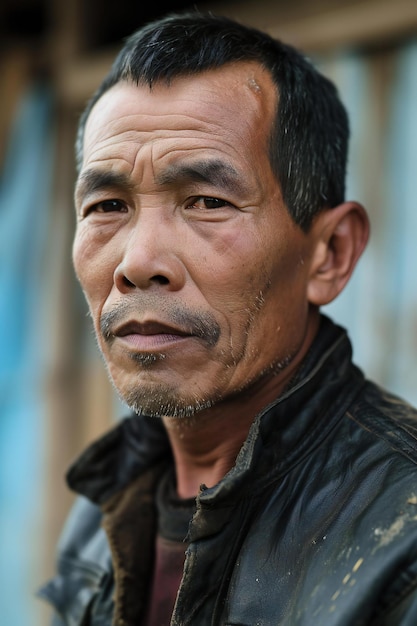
(77, 79)
(349, 25)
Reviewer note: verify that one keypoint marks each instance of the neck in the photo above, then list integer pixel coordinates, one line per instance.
(206, 445)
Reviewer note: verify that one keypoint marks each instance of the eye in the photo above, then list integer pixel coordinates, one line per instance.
(205, 202)
(107, 206)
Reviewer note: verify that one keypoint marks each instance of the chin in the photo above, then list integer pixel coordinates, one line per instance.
(164, 401)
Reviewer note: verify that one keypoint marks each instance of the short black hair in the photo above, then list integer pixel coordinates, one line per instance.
(309, 137)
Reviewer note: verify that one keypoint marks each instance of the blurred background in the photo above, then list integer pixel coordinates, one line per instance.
(54, 394)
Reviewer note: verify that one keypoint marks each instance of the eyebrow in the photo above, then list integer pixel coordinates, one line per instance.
(93, 180)
(213, 172)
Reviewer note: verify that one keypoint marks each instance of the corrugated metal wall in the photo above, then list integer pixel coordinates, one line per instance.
(379, 306)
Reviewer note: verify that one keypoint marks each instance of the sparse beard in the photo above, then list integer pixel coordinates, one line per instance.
(200, 324)
(145, 359)
(164, 399)
(164, 403)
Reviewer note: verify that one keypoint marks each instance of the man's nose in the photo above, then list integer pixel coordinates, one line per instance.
(150, 255)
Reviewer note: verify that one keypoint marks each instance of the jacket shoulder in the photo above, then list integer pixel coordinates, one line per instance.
(387, 417)
(83, 564)
(83, 536)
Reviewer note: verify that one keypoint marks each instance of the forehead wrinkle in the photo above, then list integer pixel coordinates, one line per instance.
(213, 171)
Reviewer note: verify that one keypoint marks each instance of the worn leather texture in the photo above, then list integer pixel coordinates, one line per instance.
(315, 525)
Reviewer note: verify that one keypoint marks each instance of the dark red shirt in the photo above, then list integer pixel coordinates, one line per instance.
(174, 516)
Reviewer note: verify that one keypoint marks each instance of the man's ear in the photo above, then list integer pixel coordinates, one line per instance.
(341, 235)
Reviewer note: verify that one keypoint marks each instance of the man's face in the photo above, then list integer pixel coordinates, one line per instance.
(195, 274)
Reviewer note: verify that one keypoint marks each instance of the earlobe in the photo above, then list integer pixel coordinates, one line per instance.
(341, 235)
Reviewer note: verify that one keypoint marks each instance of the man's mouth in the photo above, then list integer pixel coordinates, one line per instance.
(151, 335)
(134, 324)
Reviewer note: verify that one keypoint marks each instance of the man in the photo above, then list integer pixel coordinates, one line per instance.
(263, 480)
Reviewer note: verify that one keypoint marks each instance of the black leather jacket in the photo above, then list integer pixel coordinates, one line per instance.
(316, 524)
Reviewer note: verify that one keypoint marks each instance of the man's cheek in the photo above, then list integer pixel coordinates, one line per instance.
(94, 269)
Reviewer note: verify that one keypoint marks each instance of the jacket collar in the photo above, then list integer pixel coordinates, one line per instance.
(279, 436)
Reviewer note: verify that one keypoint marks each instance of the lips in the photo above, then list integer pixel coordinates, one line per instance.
(169, 321)
(147, 329)
(149, 336)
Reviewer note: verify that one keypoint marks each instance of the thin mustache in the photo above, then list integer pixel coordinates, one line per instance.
(200, 324)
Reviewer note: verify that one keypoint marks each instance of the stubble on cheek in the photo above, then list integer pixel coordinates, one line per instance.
(254, 349)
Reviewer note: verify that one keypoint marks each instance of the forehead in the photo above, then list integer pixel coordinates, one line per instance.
(233, 105)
